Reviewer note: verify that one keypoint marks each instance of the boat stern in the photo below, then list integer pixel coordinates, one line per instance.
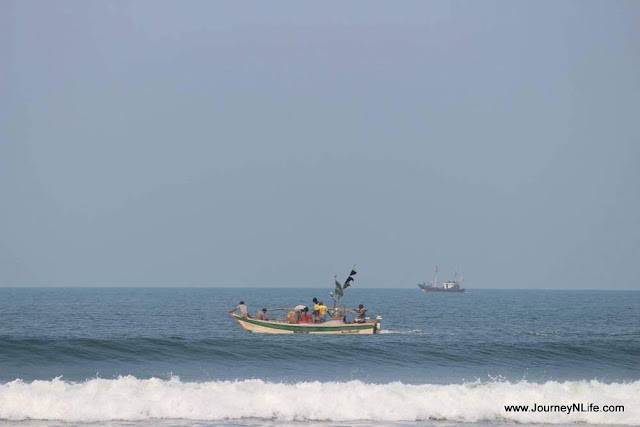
(378, 327)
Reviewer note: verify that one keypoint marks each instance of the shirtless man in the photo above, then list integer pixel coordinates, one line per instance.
(361, 313)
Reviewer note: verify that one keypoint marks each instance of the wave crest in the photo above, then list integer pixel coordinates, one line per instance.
(132, 399)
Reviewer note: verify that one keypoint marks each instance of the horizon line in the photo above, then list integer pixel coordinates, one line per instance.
(274, 287)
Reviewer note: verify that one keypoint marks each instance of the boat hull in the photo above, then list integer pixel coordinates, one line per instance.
(273, 327)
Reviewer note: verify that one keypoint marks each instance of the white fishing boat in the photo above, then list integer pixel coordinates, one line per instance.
(442, 286)
(296, 322)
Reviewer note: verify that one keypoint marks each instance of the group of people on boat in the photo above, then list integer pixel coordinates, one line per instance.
(300, 313)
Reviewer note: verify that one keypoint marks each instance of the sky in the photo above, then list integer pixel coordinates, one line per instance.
(157, 143)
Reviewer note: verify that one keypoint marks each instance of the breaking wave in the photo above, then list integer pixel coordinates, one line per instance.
(132, 399)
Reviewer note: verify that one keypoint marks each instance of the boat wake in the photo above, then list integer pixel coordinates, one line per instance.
(539, 333)
(411, 332)
(132, 399)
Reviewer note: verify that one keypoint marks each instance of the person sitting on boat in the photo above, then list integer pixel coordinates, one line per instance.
(262, 314)
(361, 314)
(243, 309)
(321, 312)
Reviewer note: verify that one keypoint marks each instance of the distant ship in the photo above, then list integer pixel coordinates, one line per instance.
(442, 286)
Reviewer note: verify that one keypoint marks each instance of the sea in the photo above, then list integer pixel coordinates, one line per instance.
(173, 356)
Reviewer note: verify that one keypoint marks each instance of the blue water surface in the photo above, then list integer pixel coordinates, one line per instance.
(81, 333)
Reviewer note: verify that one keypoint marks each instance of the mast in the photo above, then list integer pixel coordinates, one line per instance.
(336, 301)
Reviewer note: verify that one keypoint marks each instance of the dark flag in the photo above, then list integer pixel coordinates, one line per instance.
(347, 282)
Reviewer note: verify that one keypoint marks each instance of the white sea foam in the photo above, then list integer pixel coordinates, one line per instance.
(129, 398)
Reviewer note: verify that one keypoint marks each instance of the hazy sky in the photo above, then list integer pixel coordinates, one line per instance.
(275, 143)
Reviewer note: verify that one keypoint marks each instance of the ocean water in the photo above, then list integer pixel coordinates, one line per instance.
(172, 356)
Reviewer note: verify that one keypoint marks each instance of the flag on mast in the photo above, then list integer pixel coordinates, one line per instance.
(338, 287)
(347, 282)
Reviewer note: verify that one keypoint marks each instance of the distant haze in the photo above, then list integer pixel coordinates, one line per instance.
(152, 143)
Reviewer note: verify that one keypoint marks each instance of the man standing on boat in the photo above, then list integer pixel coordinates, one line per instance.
(243, 309)
(298, 310)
